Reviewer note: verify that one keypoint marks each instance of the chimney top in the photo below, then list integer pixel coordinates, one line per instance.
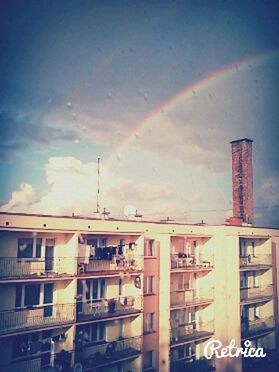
(241, 140)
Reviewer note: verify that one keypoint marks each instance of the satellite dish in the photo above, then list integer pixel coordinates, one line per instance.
(130, 210)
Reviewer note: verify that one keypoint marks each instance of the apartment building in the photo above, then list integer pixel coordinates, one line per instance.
(109, 295)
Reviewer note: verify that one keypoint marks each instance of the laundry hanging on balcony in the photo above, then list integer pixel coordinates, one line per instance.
(84, 253)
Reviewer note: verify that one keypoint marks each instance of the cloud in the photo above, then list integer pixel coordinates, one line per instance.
(73, 189)
(18, 131)
(22, 200)
(267, 209)
(197, 130)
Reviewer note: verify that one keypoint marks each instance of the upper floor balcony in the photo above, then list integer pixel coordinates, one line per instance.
(36, 317)
(112, 265)
(109, 308)
(255, 262)
(13, 268)
(189, 262)
(108, 353)
(256, 294)
(190, 332)
(256, 327)
(191, 297)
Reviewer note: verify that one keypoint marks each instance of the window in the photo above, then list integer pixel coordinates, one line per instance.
(150, 248)
(27, 344)
(29, 248)
(254, 249)
(186, 351)
(254, 313)
(148, 360)
(249, 279)
(185, 281)
(91, 332)
(103, 242)
(25, 248)
(149, 322)
(148, 285)
(243, 248)
(33, 294)
(92, 289)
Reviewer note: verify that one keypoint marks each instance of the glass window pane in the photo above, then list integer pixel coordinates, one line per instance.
(48, 293)
(95, 288)
(18, 296)
(25, 248)
(38, 248)
(32, 294)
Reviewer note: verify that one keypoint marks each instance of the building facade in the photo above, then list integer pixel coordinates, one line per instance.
(87, 294)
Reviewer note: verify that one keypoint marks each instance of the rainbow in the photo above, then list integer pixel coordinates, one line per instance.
(186, 93)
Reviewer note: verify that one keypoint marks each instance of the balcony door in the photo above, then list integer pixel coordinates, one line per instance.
(48, 299)
(49, 255)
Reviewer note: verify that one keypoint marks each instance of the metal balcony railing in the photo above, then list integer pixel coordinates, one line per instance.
(191, 332)
(13, 267)
(36, 317)
(30, 365)
(256, 293)
(191, 296)
(107, 308)
(191, 262)
(255, 260)
(117, 263)
(191, 363)
(109, 352)
(253, 327)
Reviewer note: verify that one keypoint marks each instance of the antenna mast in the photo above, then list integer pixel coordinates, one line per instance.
(98, 186)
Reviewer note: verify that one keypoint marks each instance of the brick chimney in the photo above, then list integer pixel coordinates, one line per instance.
(242, 180)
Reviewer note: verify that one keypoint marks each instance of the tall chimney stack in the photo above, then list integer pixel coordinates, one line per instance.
(242, 180)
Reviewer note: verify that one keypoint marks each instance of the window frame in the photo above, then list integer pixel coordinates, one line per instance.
(149, 285)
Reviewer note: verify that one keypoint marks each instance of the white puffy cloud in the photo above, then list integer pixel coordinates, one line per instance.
(72, 188)
(21, 200)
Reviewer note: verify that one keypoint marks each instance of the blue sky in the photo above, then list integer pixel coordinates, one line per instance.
(76, 78)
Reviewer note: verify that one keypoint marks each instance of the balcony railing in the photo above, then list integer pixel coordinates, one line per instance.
(109, 352)
(13, 267)
(116, 264)
(256, 293)
(36, 317)
(191, 363)
(191, 332)
(104, 308)
(260, 260)
(253, 327)
(189, 297)
(30, 365)
(191, 262)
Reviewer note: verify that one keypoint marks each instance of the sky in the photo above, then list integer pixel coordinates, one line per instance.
(157, 89)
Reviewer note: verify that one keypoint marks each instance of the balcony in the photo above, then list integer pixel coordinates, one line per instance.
(190, 332)
(111, 308)
(269, 363)
(184, 262)
(30, 365)
(191, 363)
(115, 265)
(256, 294)
(257, 327)
(34, 268)
(255, 262)
(36, 317)
(108, 353)
(191, 297)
